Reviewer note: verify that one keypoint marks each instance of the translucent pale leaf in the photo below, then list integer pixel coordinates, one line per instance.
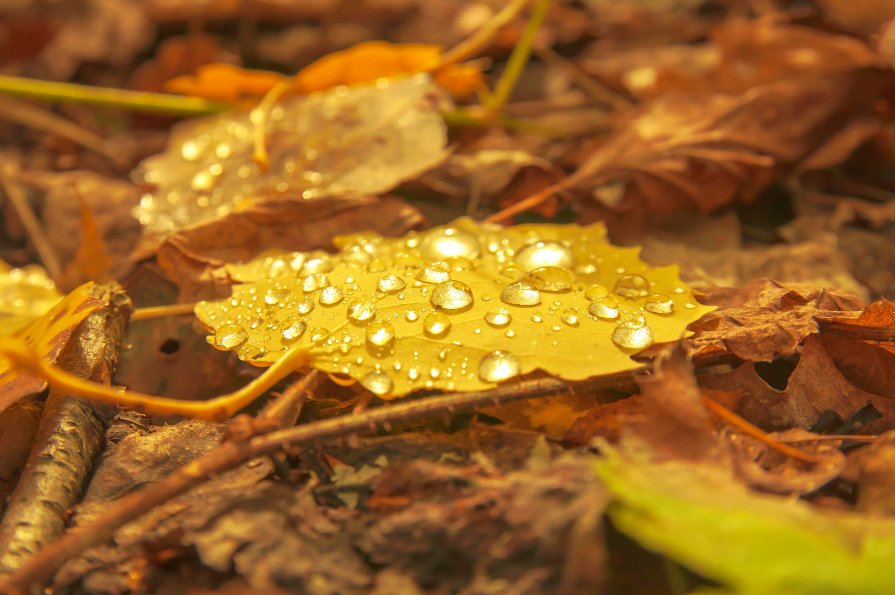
(25, 294)
(383, 310)
(361, 140)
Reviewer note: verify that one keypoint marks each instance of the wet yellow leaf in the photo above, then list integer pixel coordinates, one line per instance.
(47, 335)
(461, 307)
(25, 294)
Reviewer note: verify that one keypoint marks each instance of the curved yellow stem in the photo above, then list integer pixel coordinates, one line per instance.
(160, 311)
(216, 409)
(259, 122)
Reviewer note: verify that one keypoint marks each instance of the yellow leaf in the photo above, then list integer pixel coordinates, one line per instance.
(225, 82)
(47, 335)
(25, 294)
(457, 308)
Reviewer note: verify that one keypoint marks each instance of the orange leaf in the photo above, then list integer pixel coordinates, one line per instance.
(225, 82)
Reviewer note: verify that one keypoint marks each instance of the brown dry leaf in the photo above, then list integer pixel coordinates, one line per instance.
(815, 386)
(763, 320)
(873, 469)
(606, 421)
(91, 261)
(194, 257)
(47, 335)
(702, 151)
(675, 423)
(177, 56)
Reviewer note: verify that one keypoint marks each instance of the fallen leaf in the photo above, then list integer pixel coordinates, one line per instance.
(771, 544)
(25, 294)
(195, 257)
(873, 470)
(47, 335)
(357, 142)
(606, 421)
(459, 308)
(815, 386)
(763, 319)
(689, 151)
(92, 261)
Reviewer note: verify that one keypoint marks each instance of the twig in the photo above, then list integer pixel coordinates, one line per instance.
(159, 311)
(69, 437)
(109, 97)
(234, 452)
(29, 221)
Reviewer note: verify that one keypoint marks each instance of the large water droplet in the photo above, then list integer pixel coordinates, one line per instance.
(332, 295)
(390, 284)
(436, 324)
(294, 331)
(498, 317)
(230, 336)
(312, 283)
(377, 266)
(545, 254)
(316, 265)
(380, 334)
(595, 292)
(605, 308)
(570, 316)
(305, 306)
(632, 334)
(361, 311)
(411, 316)
(378, 382)
(318, 334)
(498, 366)
(520, 293)
(449, 242)
(275, 295)
(451, 295)
(659, 303)
(550, 279)
(631, 286)
(436, 272)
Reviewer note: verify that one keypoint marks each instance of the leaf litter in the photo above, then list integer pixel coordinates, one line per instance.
(743, 423)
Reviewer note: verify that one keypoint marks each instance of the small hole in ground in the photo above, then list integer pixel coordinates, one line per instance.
(169, 347)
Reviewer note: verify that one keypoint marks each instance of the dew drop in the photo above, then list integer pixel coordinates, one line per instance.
(436, 324)
(550, 279)
(436, 272)
(361, 311)
(230, 336)
(315, 282)
(332, 295)
(498, 317)
(305, 306)
(450, 242)
(297, 261)
(537, 317)
(545, 254)
(294, 331)
(390, 284)
(316, 265)
(570, 316)
(689, 305)
(378, 382)
(256, 323)
(513, 271)
(413, 373)
(277, 267)
(605, 308)
(451, 295)
(520, 293)
(510, 333)
(595, 292)
(632, 334)
(275, 296)
(498, 366)
(318, 334)
(659, 303)
(376, 266)
(411, 316)
(631, 286)
(380, 334)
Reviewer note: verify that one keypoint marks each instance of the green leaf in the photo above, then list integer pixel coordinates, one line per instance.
(752, 543)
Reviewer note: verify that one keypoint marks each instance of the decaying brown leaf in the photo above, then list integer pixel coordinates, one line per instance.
(763, 319)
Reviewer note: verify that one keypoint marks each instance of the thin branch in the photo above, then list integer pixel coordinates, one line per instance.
(33, 228)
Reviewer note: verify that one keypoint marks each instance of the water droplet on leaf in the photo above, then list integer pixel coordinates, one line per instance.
(570, 316)
(545, 254)
(659, 303)
(520, 293)
(605, 308)
(390, 284)
(294, 331)
(380, 334)
(361, 311)
(451, 295)
(595, 292)
(632, 334)
(498, 317)
(550, 279)
(436, 324)
(378, 382)
(230, 336)
(436, 272)
(631, 286)
(449, 242)
(498, 366)
(332, 295)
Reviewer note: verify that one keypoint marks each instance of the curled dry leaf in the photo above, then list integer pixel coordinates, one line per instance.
(357, 141)
(763, 319)
(460, 307)
(686, 151)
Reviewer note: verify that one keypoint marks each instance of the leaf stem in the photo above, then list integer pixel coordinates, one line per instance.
(517, 61)
(141, 101)
(159, 311)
